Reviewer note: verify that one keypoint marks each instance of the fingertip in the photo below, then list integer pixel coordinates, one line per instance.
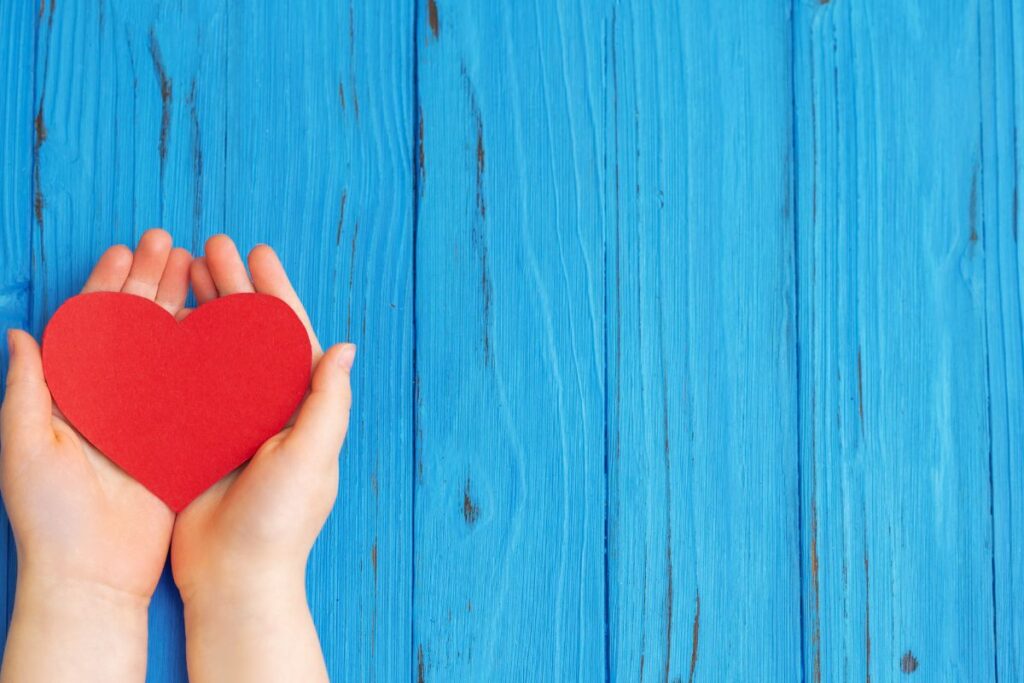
(265, 266)
(333, 371)
(270, 277)
(148, 264)
(219, 244)
(111, 270)
(22, 339)
(118, 256)
(322, 421)
(261, 252)
(181, 253)
(156, 238)
(346, 356)
(226, 266)
(25, 414)
(12, 340)
(25, 358)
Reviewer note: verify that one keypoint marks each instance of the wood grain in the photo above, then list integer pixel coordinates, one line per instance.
(209, 117)
(703, 482)
(691, 336)
(1001, 27)
(319, 163)
(509, 514)
(896, 416)
(17, 147)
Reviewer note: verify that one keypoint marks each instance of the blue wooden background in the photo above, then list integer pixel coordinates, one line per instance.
(690, 333)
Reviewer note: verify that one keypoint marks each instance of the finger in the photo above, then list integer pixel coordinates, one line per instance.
(226, 266)
(173, 287)
(269, 277)
(202, 281)
(182, 314)
(110, 272)
(25, 415)
(322, 422)
(150, 258)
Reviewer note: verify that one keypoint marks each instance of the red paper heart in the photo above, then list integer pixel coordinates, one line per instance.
(176, 405)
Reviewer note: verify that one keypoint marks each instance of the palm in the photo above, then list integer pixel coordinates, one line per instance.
(280, 493)
(126, 528)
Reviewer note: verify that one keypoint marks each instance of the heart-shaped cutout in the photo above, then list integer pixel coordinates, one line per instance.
(177, 405)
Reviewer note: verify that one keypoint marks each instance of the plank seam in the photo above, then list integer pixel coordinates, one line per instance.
(609, 53)
(793, 181)
(988, 352)
(415, 667)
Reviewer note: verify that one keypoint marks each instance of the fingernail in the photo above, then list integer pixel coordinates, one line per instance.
(347, 356)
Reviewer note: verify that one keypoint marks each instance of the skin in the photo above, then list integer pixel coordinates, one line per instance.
(92, 542)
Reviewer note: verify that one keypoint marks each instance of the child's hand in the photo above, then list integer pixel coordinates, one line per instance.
(91, 540)
(239, 550)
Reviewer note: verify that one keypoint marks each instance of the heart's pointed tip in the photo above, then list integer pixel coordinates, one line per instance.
(175, 500)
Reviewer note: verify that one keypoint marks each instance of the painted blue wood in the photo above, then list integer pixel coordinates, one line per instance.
(275, 125)
(691, 340)
(116, 129)
(319, 147)
(17, 56)
(896, 249)
(510, 484)
(1001, 29)
(703, 482)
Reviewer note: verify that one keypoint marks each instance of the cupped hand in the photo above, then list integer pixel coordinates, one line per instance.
(77, 517)
(239, 550)
(91, 541)
(253, 530)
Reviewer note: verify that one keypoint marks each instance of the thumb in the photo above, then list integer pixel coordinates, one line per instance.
(323, 419)
(26, 411)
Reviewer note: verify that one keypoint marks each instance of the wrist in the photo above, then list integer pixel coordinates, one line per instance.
(58, 619)
(243, 594)
(71, 597)
(247, 597)
(238, 583)
(252, 628)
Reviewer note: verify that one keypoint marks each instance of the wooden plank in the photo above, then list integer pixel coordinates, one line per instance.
(17, 58)
(1002, 100)
(509, 507)
(620, 340)
(120, 108)
(703, 483)
(319, 164)
(205, 118)
(893, 256)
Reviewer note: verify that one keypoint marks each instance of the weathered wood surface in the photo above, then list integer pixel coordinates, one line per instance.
(286, 126)
(702, 377)
(691, 336)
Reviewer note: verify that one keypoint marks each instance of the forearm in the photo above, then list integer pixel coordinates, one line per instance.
(67, 631)
(264, 633)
